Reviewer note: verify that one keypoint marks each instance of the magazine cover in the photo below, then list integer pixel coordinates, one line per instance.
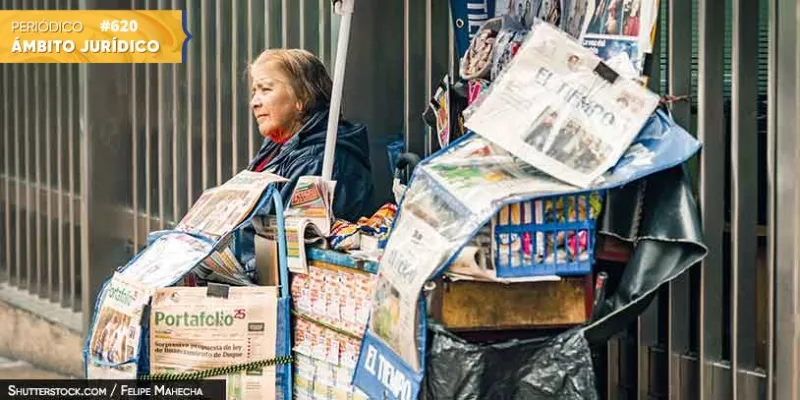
(619, 31)
(561, 109)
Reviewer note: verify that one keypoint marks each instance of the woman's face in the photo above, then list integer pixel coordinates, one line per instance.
(275, 106)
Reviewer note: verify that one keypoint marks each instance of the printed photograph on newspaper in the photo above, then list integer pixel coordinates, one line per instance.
(191, 331)
(478, 172)
(560, 109)
(219, 210)
(166, 260)
(621, 28)
(114, 343)
(412, 255)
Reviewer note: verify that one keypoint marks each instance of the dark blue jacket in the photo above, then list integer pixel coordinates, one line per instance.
(303, 154)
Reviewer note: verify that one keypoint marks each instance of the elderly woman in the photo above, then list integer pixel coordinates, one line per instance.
(291, 92)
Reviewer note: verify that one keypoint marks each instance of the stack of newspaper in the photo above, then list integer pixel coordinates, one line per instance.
(190, 332)
(308, 219)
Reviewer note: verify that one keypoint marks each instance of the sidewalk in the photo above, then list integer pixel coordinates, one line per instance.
(14, 369)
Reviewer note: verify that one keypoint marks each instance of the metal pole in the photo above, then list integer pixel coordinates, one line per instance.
(345, 9)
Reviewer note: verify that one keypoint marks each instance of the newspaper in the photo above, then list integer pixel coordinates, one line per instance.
(401, 277)
(219, 210)
(190, 331)
(308, 219)
(560, 109)
(222, 267)
(166, 260)
(115, 337)
(619, 31)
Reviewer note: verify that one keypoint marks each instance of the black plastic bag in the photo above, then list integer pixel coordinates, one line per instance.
(557, 367)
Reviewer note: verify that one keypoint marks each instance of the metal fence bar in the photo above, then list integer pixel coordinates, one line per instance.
(284, 23)
(323, 32)
(161, 172)
(71, 182)
(37, 165)
(413, 79)
(234, 89)
(27, 260)
(18, 175)
(744, 200)
(772, 220)
(59, 132)
(7, 171)
(218, 88)
(48, 177)
(176, 210)
(190, 56)
(428, 69)
(679, 73)
(710, 127)
(204, 94)
(134, 153)
(148, 147)
(250, 54)
(784, 86)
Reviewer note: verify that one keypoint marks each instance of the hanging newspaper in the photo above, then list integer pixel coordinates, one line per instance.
(113, 348)
(221, 209)
(190, 331)
(452, 196)
(620, 32)
(560, 109)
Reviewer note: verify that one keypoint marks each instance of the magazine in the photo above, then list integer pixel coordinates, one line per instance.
(222, 267)
(308, 219)
(221, 209)
(561, 109)
(619, 31)
(190, 331)
(115, 337)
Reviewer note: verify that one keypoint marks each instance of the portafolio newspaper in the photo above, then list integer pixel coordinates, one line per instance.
(190, 332)
(561, 109)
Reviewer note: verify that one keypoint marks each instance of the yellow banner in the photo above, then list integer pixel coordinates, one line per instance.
(94, 36)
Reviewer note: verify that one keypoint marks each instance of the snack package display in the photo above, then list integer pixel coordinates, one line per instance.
(546, 231)
(380, 224)
(345, 236)
(367, 234)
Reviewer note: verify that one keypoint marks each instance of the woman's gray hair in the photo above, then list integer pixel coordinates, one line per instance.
(306, 75)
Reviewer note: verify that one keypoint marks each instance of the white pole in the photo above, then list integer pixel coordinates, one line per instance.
(345, 9)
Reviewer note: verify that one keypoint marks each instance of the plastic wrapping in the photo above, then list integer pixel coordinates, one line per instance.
(549, 368)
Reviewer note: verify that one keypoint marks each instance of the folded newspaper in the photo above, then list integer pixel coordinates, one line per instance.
(558, 107)
(190, 332)
(221, 209)
(114, 343)
(308, 219)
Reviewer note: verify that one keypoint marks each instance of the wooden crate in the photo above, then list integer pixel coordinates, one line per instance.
(471, 305)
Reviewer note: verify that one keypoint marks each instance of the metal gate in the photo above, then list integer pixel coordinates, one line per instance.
(96, 156)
